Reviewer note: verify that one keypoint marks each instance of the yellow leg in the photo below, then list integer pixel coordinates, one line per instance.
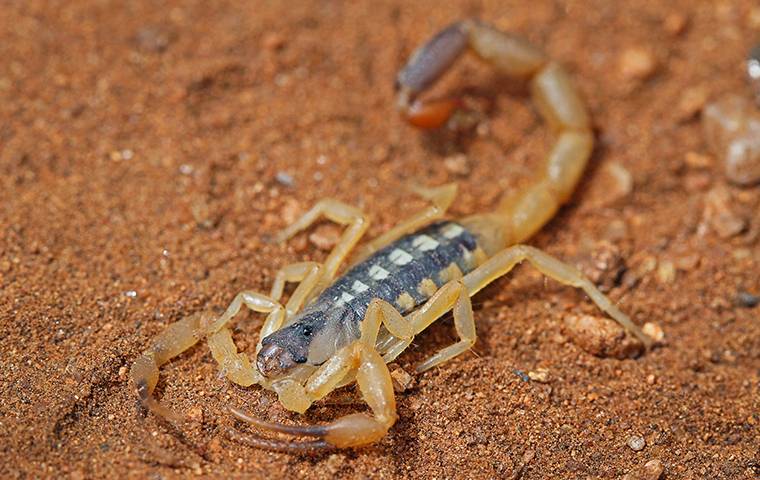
(337, 212)
(175, 339)
(441, 198)
(307, 274)
(503, 262)
(454, 296)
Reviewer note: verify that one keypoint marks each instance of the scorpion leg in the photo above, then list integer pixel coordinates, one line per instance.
(175, 339)
(360, 359)
(306, 274)
(441, 198)
(501, 263)
(452, 296)
(337, 212)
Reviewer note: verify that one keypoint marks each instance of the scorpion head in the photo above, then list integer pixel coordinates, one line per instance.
(310, 339)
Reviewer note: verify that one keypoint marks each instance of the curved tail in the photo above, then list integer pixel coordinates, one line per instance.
(522, 213)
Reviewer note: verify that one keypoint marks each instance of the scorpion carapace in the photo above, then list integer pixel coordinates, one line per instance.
(332, 332)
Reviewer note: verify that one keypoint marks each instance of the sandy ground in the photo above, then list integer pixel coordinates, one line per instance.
(147, 152)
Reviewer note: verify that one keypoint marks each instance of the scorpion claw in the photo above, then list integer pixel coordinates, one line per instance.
(278, 445)
(307, 431)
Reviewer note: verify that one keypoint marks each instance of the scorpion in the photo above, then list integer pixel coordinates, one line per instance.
(334, 332)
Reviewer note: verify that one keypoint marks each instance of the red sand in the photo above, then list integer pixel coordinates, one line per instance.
(139, 149)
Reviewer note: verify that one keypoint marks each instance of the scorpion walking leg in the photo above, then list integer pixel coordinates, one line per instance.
(503, 262)
(340, 213)
(307, 274)
(360, 359)
(177, 338)
(441, 198)
(453, 295)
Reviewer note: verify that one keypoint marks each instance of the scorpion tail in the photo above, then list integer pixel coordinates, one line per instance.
(522, 213)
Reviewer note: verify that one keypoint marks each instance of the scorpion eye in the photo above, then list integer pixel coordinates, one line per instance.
(306, 331)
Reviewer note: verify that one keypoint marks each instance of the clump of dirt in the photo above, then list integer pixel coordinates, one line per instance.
(148, 153)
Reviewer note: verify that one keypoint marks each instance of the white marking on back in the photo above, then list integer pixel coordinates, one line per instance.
(359, 287)
(400, 257)
(424, 243)
(452, 230)
(376, 272)
(345, 297)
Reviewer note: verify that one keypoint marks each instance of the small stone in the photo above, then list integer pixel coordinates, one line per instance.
(123, 372)
(325, 237)
(732, 129)
(747, 300)
(637, 63)
(402, 381)
(719, 213)
(687, 262)
(692, 101)
(290, 211)
(284, 178)
(698, 160)
(652, 470)
(273, 41)
(540, 375)
(615, 183)
(666, 272)
(604, 266)
(195, 414)
(602, 337)
(651, 379)
(653, 331)
(637, 443)
(334, 463)
(457, 164)
(675, 23)
(153, 39)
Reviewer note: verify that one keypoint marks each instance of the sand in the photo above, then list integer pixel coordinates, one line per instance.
(148, 151)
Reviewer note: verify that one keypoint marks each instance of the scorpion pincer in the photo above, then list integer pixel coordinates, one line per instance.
(333, 332)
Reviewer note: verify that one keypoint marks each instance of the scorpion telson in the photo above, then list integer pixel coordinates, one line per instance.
(333, 332)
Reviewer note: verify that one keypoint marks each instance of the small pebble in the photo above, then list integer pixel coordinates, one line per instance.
(637, 63)
(653, 331)
(698, 160)
(402, 381)
(195, 414)
(152, 39)
(273, 41)
(285, 178)
(604, 265)
(602, 337)
(720, 214)
(637, 443)
(615, 184)
(540, 375)
(457, 164)
(692, 101)
(652, 470)
(747, 300)
(732, 129)
(666, 272)
(675, 23)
